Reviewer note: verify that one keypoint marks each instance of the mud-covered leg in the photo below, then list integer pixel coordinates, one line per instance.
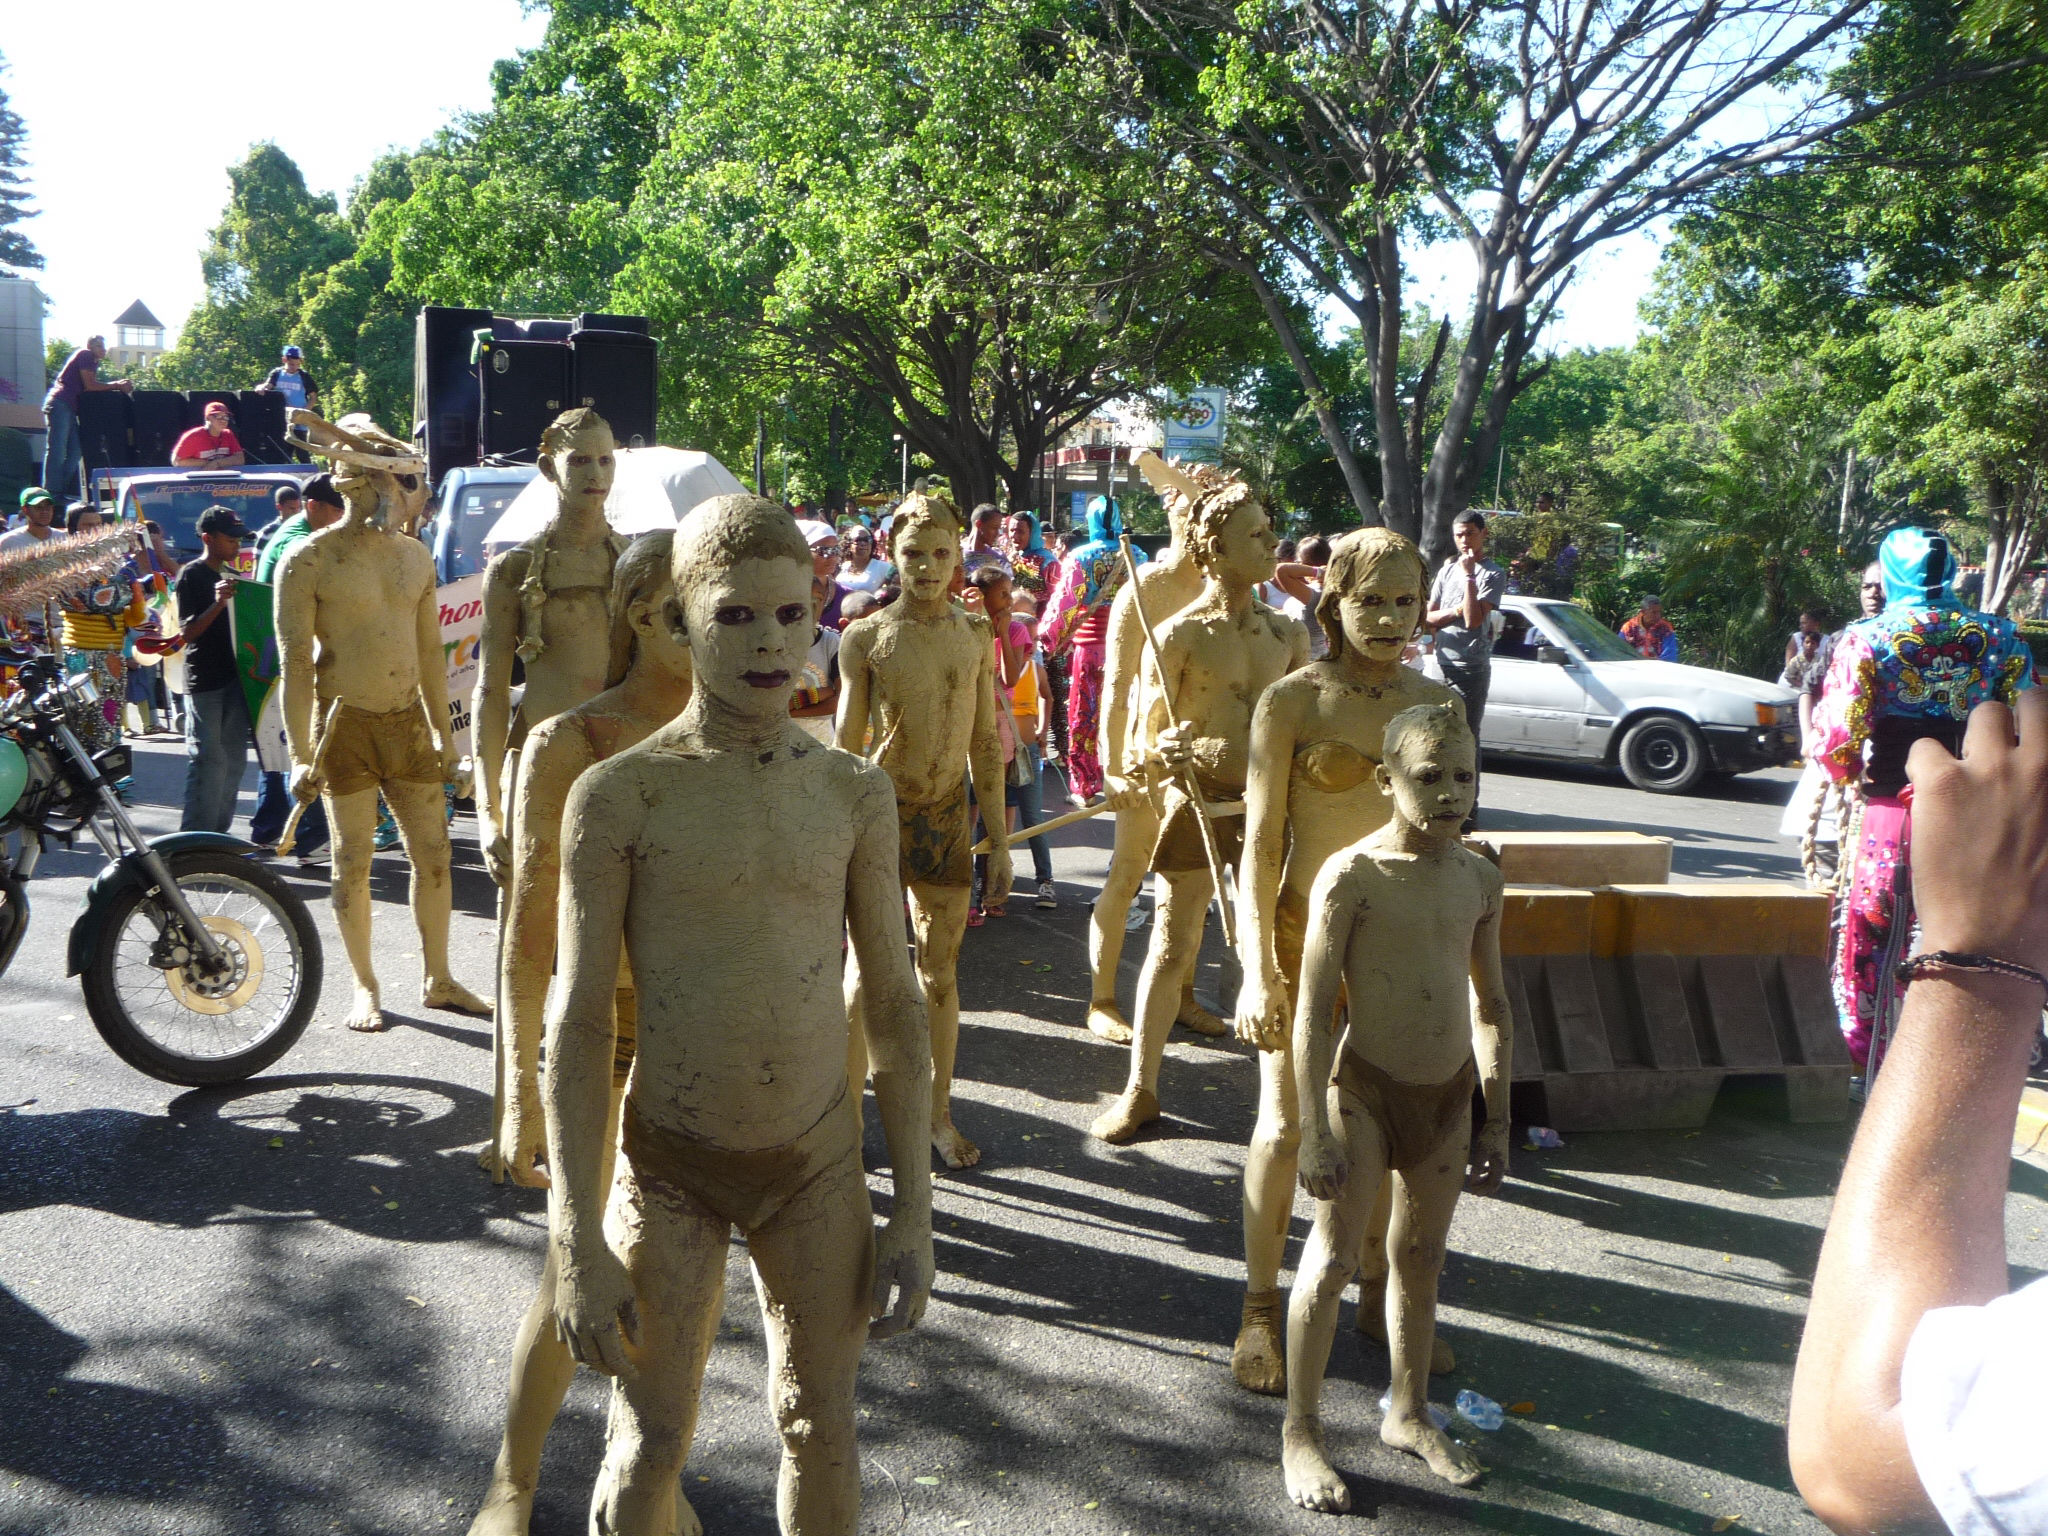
(1422, 1224)
(352, 825)
(814, 1267)
(1269, 1169)
(1371, 1317)
(1169, 961)
(420, 810)
(938, 921)
(674, 1250)
(1326, 1268)
(1137, 828)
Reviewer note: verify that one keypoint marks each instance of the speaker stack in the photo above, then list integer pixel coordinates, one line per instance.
(447, 399)
(104, 419)
(525, 383)
(260, 425)
(614, 371)
(161, 417)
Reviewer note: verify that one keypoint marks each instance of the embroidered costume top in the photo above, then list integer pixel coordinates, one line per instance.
(1916, 669)
(1077, 609)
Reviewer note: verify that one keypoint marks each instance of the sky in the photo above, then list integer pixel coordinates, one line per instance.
(135, 109)
(133, 121)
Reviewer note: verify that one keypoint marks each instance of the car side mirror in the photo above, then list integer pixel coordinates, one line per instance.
(1554, 655)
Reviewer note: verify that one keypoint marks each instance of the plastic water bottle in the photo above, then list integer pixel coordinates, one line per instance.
(1437, 1416)
(1479, 1412)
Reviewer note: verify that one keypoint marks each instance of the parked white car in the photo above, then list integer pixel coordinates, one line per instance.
(1565, 687)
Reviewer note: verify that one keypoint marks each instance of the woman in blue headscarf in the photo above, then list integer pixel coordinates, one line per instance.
(1914, 669)
(1076, 619)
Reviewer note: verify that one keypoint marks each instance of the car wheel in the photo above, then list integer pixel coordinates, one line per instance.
(1663, 754)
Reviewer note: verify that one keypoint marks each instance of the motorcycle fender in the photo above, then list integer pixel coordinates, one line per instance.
(91, 923)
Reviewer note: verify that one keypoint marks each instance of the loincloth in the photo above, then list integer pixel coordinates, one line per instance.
(1413, 1117)
(366, 750)
(936, 848)
(746, 1189)
(1178, 847)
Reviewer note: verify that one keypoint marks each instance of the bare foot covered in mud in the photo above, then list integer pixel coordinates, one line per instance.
(1130, 1114)
(366, 1013)
(1311, 1481)
(453, 997)
(1439, 1452)
(1106, 1023)
(956, 1149)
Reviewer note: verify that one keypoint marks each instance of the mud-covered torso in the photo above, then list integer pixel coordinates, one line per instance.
(1224, 663)
(733, 928)
(570, 616)
(925, 679)
(1333, 799)
(1408, 958)
(366, 587)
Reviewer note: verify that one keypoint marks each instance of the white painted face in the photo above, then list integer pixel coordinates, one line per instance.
(1432, 780)
(750, 628)
(1379, 616)
(655, 642)
(1248, 549)
(583, 468)
(926, 554)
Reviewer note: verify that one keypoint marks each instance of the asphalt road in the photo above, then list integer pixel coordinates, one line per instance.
(287, 1307)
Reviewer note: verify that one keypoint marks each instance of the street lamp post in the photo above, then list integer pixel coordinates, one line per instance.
(904, 488)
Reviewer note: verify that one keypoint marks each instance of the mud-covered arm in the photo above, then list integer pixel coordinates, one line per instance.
(1262, 1007)
(899, 1051)
(1336, 906)
(491, 704)
(1493, 1040)
(1123, 658)
(547, 773)
(433, 683)
(594, 1306)
(294, 609)
(851, 728)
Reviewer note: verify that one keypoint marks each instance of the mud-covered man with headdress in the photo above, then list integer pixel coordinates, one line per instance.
(366, 696)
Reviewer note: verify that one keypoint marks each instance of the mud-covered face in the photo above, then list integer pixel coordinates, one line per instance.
(363, 489)
(582, 469)
(1432, 779)
(1379, 615)
(1248, 550)
(927, 555)
(750, 628)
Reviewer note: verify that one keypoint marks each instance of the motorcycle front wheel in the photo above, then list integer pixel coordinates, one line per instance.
(184, 1025)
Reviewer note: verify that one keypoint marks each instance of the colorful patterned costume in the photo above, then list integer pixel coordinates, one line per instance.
(1915, 670)
(1076, 618)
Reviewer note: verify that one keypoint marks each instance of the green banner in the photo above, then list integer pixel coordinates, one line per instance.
(255, 635)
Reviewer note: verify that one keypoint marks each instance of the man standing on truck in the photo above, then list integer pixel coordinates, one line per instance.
(291, 380)
(62, 447)
(211, 446)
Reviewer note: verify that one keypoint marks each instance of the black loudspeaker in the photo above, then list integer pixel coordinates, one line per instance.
(546, 330)
(260, 424)
(614, 373)
(161, 417)
(446, 399)
(104, 421)
(525, 386)
(634, 323)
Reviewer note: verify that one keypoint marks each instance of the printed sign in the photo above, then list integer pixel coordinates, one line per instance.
(1194, 428)
(462, 626)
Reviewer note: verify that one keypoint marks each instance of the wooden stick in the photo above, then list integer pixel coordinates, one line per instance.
(1218, 872)
(1226, 808)
(290, 838)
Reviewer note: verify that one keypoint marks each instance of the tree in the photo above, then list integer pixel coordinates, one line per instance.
(1531, 130)
(929, 210)
(16, 250)
(274, 242)
(1968, 409)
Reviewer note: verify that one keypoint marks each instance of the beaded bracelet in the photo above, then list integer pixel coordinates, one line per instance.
(1937, 961)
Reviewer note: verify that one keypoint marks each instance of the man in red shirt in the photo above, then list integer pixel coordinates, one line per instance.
(212, 446)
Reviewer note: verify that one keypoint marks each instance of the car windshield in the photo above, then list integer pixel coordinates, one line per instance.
(1594, 639)
(475, 512)
(175, 505)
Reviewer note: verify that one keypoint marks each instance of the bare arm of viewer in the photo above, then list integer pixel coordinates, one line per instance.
(899, 1049)
(595, 1311)
(1919, 1220)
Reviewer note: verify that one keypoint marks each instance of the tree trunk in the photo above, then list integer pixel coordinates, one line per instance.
(1334, 436)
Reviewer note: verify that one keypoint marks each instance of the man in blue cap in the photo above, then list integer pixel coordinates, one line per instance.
(291, 380)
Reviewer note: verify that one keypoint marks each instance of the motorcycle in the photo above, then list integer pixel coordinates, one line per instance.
(199, 965)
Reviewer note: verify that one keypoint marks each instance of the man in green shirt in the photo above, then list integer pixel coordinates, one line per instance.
(322, 506)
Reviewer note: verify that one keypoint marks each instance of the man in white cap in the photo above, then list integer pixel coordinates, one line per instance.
(824, 541)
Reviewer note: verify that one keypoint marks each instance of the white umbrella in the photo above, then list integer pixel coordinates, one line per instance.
(653, 488)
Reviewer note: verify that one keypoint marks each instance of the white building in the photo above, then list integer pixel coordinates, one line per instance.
(22, 383)
(138, 337)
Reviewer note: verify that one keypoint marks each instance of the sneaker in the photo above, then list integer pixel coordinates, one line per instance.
(1048, 898)
(313, 857)
(1137, 917)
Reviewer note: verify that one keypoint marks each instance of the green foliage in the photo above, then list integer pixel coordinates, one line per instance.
(16, 249)
(56, 352)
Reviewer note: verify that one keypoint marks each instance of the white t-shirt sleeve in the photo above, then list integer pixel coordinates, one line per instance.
(1976, 1422)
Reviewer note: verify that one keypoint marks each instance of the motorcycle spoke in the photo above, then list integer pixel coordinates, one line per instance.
(170, 1020)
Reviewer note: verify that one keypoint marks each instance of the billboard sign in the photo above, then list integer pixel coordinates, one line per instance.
(1194, 427)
